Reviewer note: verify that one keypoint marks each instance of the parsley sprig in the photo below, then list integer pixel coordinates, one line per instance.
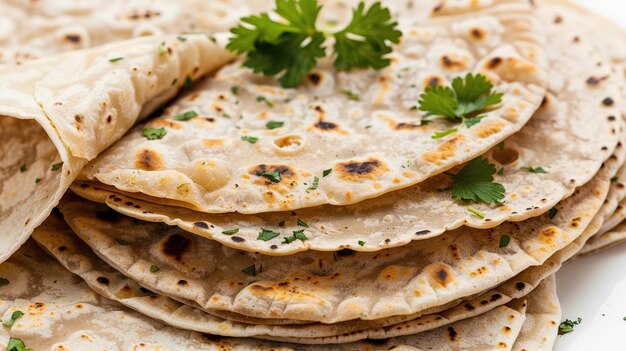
(463, 102)
(292, 46)
(474, 182)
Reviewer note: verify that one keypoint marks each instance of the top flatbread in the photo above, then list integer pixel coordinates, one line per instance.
(372, 146)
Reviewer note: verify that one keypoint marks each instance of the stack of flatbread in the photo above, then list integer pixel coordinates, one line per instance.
(179, 201)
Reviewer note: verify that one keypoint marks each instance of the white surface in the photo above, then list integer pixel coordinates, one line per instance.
(594, 287)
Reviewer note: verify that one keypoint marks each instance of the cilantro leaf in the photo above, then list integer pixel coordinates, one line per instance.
(231, 231)
(567, 326)
(154, 268)
(474, 182)
(274, 124)
(16, 344)
(532, 169)
(186, 116)
(439, 135)
(365, 41)
(273, 176)
(250, 270)
(504, 241)
(316, 182)
(55, 167)
(460, 102)
(14, 316)
(154, 133)
(249, 138)
(266, 235)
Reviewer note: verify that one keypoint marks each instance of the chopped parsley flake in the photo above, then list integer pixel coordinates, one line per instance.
(614, 179)
(467, 97)
(234, 89)
(274, 124)
(351, 95)
(231, 231)
(439, 135)
(504, 240)
(154, 268)
(266, 235)
(249, 138)
(500, 146)
(476, 212)
(4, 281)
(185, 116)
(568, 326)
(250, 270)
(16, 344)
(188, 83)
(115, 59)
(361, 242)
(37, 180)
(532, 169)
(181, 39)
(55, 167)
(474, 182)
(154, 133)
(265, 100)
(302, 224)
(469, 122)
(552, 213)
(273, 176)
(297, 235)
(23, 168)
(326, 172)
(162, 50)
(407, 164)
(315, 184)
(14, 316)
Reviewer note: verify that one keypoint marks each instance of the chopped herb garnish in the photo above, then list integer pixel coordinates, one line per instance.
(273, 176)
(292, 45)
(281, 224)
(361, 242)
(504, 240)
(288, 239)
(250, 270)
(327, 172)
(154, 268)
(14, 316)
(37, 180)
(181, 39)
(500, 171)
(467, 97)
(154, 133)
(266, 235)
(185, 116)
(115, 59)
(231, 231)
(614, 179)
(469, 122)
(476, 212)
(212, 38)
(407, 164)
(23, 168)
(568, 326)
(234, 89)
(122, 241)
(351, 95)
(162, 50)
(500, 146)
(302, 224)
(265, 100)
(439, 135)
(249, 138)
(315, 184)
(226, 115)
(299, 234)
(474, 182)
(55, 167)
(16, 344)
(368, 126)
(532, 169)
(188, 83)
(552, 213)
(274, 124)
(4, 281)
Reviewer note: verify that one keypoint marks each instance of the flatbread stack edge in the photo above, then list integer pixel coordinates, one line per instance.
(212, 208)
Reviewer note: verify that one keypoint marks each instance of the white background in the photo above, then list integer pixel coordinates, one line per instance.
(593, 287)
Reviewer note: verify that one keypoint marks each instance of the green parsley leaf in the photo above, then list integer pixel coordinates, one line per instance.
(299, 234)
(266, 235)
(466, 97)
(469, 122)
(365, 42)
(552, 213)
(23, 168)
(234, 89)
(315, 184)
(231, 231)
(55, 167)
(14, 316)
(16, 344)
(162, 49)
(567, 326)
(302, 224)
(274, 124)
(154, 268)
(439, 135)
(504, 240)
(474, 182)
(115, 59)
(154, 133)
(265, 100)
(249, 138)
(351, 95)
(532, 169)
(288, 239)
(4, 281)
(361, 242)
(185, 116)
(476, 212)
(273, 176)
(250, 270)
(326, 172)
